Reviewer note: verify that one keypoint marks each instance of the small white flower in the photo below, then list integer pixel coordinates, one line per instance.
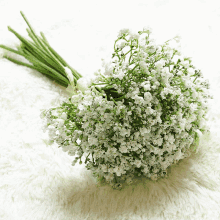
(199, 132)
(147, 29)
(193, 107)
(120, 75)
(188, 126)
(85, 125)
(185, 63)
(87, 102)
(159, 141)
(171, 138)
(81, 107)
(194, 94)
(176, 58)
(178, 155)
(75, 98)
(165, 137)
(138, 163)
(54, 113)
(98, 100)
(108, 68)
(155, 142)
(182, 123)
(123, 31)
(78, 141)
(144, 131)
(143, 65)
(169, 54)
(165, 70)
(122, 45)
(60, 122)
(146, 87)
(118, 170)
(171, 67)
(188, 82)
(177, 38)
(64, 116)
(92, 141)
(133, 36)
(138, 99)
(146, 169)
(147, 96)
(129, 113)
(136, 135)
(123, 149)
(179, 73)
(191, 71)
(104, 167)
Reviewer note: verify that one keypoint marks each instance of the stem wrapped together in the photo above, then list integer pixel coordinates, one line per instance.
(43, 57)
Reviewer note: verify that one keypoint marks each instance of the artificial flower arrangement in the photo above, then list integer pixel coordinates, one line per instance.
(145, 112)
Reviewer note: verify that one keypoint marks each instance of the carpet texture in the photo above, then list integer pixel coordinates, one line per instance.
(37, 180)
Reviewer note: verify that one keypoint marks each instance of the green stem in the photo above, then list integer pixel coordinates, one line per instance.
(47, 60)
(37, 62)
(108, 87)
(57, 74)
(114, 101)
(33, 47)
(52, 56)
(75, 73)
(43, 46)
(31, 29)
(48, 74)
(195, 79)
(10, 49)
(100, 90)
(118, 99)
(87, 158)
(31, 35)
(44, 38)
(43, 57)
(29, 50)
(113, 91)
(30, 54)
(134, 67)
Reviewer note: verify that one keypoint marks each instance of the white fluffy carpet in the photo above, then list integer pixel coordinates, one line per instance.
(37, 180)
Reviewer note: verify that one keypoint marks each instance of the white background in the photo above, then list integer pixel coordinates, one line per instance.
(37, 181)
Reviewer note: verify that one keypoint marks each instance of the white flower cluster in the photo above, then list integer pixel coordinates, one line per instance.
(149, 115)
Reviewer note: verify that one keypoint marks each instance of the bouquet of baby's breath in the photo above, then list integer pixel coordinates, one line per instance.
(145, 112)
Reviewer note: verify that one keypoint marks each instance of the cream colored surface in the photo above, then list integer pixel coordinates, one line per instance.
(37, 180)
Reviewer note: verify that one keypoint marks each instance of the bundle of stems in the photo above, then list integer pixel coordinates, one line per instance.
(43, 57)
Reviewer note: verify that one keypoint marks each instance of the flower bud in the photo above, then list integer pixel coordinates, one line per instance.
(69, 74)
(64, 116)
